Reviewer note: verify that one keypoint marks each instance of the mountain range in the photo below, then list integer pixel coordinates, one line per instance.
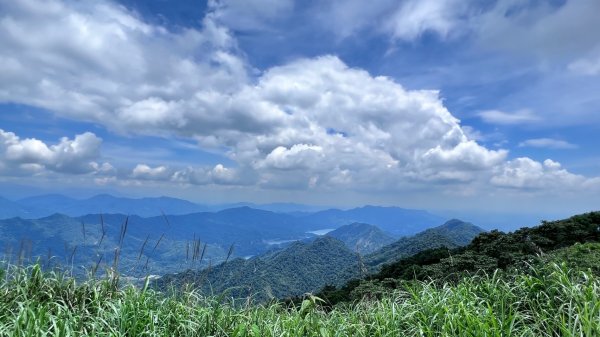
(250, 231)
(394, 220)
(308, 266)
(44, 205)
(266, 253)
(572, 243)
(451, 234)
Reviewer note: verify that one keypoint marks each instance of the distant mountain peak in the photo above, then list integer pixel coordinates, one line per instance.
(102, 196)
(454, 223)
(362, 225)
(362, 237)
(375, 207)
(55, 216)
(244, 209)
(394, 220)
(457, 223)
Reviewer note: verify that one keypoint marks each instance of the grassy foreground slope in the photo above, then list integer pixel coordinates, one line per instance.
(549, 301)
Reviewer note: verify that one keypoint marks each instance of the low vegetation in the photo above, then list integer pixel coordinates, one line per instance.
(544, 301)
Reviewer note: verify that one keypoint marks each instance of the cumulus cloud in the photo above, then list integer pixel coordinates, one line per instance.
(112, 63)
(381, 127)
(547, 143)
(298, 156)
(530, 174)
(143, 171)
(310, 123)
(193, 84)
(218, 175)
(74, 156)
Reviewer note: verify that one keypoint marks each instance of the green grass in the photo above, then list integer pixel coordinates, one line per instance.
(547, 301)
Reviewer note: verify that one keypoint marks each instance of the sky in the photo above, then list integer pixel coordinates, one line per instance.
(459, 105)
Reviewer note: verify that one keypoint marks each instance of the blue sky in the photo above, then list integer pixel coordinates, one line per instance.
(459, 105)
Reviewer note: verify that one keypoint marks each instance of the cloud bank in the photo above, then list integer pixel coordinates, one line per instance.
(312, 123)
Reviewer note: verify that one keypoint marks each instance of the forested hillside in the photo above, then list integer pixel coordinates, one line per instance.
(302, 267)
(487, 252)
(308, 266)
(362, 238)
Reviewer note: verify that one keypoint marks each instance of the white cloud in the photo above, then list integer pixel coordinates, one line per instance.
(586, 66)
(298, 156)
(383, 130)
(507, 118)
(311, 123)
(547, 143)
(525, 173)
(143, 171)
(74, 156)
(473, 133)
(218, 175)
(192, 84)
(112, 63)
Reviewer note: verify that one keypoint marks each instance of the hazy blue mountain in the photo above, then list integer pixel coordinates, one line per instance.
(44, 205)
(394, 220)
(302, 267)
(279, 207)
(10, 209)
(360, 237)
(106, 203)
(49, 202)
(66, 241)
(250, 231)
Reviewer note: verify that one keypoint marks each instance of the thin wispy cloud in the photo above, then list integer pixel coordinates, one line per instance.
(547, 143)
(503, 117)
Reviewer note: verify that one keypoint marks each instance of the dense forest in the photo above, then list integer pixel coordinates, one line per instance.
(487, 253)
